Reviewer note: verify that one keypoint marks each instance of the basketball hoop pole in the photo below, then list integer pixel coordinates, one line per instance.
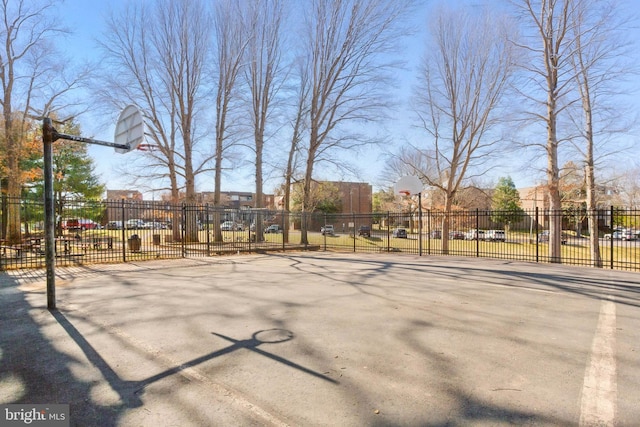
(49, 136)
(49, 231)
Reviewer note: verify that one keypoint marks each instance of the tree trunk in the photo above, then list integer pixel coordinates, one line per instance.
(592, 216)
(553, 179)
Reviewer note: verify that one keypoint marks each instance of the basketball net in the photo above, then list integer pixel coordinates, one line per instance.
(405, 192)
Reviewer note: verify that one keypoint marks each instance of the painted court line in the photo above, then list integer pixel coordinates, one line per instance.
(599, 391)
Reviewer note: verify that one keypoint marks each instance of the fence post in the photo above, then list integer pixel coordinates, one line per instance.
(388, 229)
(611, 240)
(284, 230)
(124, 234)
(207, 228)
(537, 239)
(420, 223)
(428, 231)
(183, 224)
(353, 217)
(477, 233)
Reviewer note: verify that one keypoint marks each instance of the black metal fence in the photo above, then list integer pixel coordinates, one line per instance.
(120, 231)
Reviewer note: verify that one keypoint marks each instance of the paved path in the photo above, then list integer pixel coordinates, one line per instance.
(326, 339)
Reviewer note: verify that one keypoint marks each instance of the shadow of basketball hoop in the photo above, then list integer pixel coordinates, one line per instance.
(268, 336)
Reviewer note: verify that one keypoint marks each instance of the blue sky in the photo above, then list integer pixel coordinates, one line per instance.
(88, 24)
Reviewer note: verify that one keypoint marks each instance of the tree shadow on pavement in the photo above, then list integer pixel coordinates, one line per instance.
(33, 371)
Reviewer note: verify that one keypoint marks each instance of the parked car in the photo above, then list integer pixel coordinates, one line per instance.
(134, 224)
(456, 235)
(231, 226)
(364, 230)
(114, 225)
(154, 225)
(495, 235)
(436, 234)
(79, 224)
(327, 230)
(474, 234)
(400, 233)
(543, 237)
(273, 228)
(621, 235)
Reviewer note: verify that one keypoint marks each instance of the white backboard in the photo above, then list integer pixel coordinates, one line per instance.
(130, 129)
(408, 185)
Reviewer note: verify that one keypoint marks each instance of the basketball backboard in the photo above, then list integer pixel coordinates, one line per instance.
(408, 186)
(130, 130)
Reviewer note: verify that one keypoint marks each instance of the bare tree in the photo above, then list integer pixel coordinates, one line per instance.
(552, 81)
(264, 77)
(599, 35)
(161, 56)
(299, 126)
(408, 160)
(229, 51)
(345, 40)
(627, 189)
(35, 78)
(464, 78)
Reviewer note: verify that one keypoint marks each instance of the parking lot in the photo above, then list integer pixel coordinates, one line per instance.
(326, 339)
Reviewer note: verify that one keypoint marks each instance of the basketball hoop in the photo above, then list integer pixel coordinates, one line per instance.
(130, 130)
(408, 185)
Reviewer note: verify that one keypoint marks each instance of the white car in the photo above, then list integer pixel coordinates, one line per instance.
(327, 230)
(134, 224)
(474, 234)
(231, 226)
(495, 235)
(273, 228)
(621, 235)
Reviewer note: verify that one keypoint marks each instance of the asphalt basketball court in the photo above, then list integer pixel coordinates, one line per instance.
(325, 339)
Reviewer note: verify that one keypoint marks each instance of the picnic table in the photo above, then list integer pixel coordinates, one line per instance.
(30, 244)
(64, 243)
(99, 241)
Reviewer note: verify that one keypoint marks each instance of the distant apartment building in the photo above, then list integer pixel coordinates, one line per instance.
(124, 195)
(238, 199)
(352, 197)
(538, 197)
(122, 205)
(356, 197)
(533, 197)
